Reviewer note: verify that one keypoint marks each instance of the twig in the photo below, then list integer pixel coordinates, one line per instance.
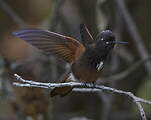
(12, 13)
(85, 87)
(133, 30)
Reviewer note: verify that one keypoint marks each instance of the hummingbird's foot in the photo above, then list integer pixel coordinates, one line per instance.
(91, 85)
(85, 85)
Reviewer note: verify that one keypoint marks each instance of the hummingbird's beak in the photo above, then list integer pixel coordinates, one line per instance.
(118, 42)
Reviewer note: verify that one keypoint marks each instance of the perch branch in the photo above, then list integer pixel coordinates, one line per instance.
(85, 87)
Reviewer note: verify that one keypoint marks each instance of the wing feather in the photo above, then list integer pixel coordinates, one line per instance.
(65, 47)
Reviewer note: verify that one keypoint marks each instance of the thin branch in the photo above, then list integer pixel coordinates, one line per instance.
(77, 86)
(82, 90)
(85, 87)
(12, 13)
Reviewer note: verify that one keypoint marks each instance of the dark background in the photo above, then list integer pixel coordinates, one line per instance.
(127, 68)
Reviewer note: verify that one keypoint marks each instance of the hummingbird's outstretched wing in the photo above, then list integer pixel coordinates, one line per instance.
(85, 35)
(65, 47)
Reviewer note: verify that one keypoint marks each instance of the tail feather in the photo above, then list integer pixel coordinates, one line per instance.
(61, 91)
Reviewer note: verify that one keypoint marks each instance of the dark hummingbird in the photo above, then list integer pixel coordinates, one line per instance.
(86, 57)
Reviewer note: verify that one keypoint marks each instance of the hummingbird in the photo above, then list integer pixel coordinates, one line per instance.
(86, 57)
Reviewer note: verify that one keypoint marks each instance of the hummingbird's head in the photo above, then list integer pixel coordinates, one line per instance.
(106, 40)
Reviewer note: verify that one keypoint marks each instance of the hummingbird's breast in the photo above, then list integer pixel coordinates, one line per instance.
(84, 74)
(85, 69)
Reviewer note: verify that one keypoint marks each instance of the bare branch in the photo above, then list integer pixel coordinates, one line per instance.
(85, 87)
